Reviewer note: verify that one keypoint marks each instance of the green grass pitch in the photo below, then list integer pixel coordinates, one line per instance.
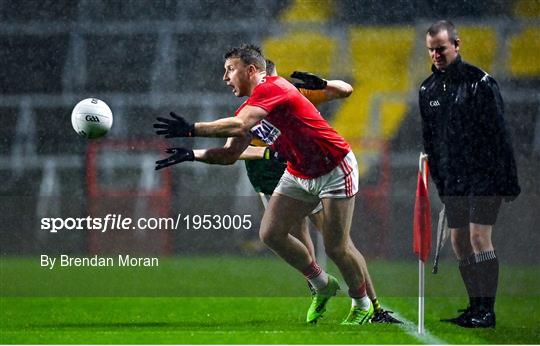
(241, 300)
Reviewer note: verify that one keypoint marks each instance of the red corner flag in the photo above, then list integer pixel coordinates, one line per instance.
(422, 215)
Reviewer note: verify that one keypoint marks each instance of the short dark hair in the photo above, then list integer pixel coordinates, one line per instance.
(441, 25)
(270, 67)
(250, 54)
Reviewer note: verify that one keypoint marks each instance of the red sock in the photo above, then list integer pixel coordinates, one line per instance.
(316, 276)
(358, 292)
(312, 270)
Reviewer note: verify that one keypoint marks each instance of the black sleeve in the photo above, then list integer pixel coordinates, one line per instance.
(501, 155)
(426, 131)
(427, 140)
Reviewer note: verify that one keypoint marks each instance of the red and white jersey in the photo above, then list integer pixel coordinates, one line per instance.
(296, 129)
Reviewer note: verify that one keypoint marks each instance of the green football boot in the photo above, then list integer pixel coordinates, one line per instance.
(320, 298)
(359, 316)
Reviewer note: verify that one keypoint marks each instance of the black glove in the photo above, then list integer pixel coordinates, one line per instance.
(178, 155)
(175, 127)
(310, 81)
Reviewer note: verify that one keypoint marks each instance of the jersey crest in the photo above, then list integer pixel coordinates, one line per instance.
(266, 132)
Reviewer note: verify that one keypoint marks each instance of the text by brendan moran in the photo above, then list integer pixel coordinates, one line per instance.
(98, 261)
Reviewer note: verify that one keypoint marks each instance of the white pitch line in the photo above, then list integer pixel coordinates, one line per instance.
(412, 329)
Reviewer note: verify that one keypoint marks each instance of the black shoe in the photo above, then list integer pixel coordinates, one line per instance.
(480, 319)
(462, 318)
(383, 316)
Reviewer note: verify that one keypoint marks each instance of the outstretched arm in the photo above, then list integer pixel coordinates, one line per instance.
(226, 155)
(237, 126)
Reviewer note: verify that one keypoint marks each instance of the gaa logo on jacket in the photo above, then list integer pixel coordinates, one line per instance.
(266, 132)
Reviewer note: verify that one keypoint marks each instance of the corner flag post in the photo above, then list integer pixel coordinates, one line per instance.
(422, 233)
(421, 286)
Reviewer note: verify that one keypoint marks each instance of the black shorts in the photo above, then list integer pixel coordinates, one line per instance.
(460, 211)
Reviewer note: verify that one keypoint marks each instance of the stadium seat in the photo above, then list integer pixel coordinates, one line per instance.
(379, 55)
(379, 60)
(526, 9)
(301, 50)
(307, 11)
(478, 46)
(523, 59)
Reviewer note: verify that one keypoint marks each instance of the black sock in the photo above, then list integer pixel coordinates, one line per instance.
(488, 273)
(468, 270)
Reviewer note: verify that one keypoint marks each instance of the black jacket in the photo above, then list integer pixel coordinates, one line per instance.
(469, 148)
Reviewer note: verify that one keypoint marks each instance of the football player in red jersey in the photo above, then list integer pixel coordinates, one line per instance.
(265, 169)
(320, 167)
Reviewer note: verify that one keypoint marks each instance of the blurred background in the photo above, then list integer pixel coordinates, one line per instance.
(146, 58)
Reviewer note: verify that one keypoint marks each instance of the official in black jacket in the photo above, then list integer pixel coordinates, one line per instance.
(471, 161)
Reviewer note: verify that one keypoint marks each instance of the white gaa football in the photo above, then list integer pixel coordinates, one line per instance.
(91, 118)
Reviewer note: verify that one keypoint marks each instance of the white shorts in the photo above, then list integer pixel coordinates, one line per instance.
(341, 182)
(266, 198)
